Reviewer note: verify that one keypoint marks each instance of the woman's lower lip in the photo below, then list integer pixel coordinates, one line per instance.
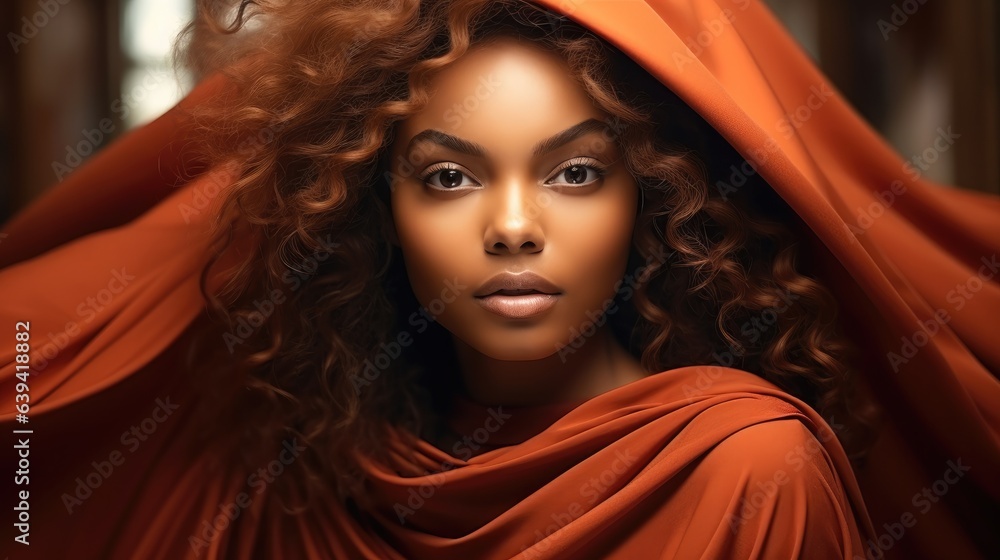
(518, 307)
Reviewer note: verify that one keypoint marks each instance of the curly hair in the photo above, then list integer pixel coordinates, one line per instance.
(318, 87)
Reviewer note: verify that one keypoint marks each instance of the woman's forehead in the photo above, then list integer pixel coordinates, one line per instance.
(503, 95)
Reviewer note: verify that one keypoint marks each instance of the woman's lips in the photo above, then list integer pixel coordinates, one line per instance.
(520, 306)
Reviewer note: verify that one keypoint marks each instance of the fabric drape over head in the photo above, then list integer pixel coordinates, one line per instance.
(103, 270)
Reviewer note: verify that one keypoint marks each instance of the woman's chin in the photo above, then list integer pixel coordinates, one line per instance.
(516, 349)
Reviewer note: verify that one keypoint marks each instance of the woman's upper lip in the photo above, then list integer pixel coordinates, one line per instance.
(526, 282)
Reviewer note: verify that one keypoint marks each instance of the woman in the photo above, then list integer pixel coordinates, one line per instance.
(509, 241)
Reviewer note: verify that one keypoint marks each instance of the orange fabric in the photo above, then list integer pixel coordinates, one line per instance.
(654, 469)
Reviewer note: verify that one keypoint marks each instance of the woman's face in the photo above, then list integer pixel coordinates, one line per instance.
(511, 169)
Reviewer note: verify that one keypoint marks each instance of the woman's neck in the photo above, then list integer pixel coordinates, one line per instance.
(598, 365)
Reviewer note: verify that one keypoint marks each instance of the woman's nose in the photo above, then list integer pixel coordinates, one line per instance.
(513, 219)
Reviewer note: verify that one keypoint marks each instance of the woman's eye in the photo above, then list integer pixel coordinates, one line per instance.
(448, 179)
(577, 175)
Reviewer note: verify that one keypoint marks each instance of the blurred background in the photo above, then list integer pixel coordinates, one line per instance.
(79, 73)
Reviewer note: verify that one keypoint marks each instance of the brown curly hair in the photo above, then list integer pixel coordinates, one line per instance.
(318, 87)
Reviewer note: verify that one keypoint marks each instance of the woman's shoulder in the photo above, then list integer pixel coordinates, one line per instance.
(715, 379)
(771, 490)
(705, 386)
(771, 432)
(753, 433)
(762, 475)
(783, 448)
(745, 425)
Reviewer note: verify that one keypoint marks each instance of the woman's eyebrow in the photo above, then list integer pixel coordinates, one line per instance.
(468, 147)
(434, 136)
(572, 133)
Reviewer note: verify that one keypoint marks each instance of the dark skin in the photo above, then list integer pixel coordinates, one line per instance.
(565, 211)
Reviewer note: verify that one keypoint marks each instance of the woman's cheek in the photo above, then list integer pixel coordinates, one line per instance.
(438, 273)
(599, 254)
